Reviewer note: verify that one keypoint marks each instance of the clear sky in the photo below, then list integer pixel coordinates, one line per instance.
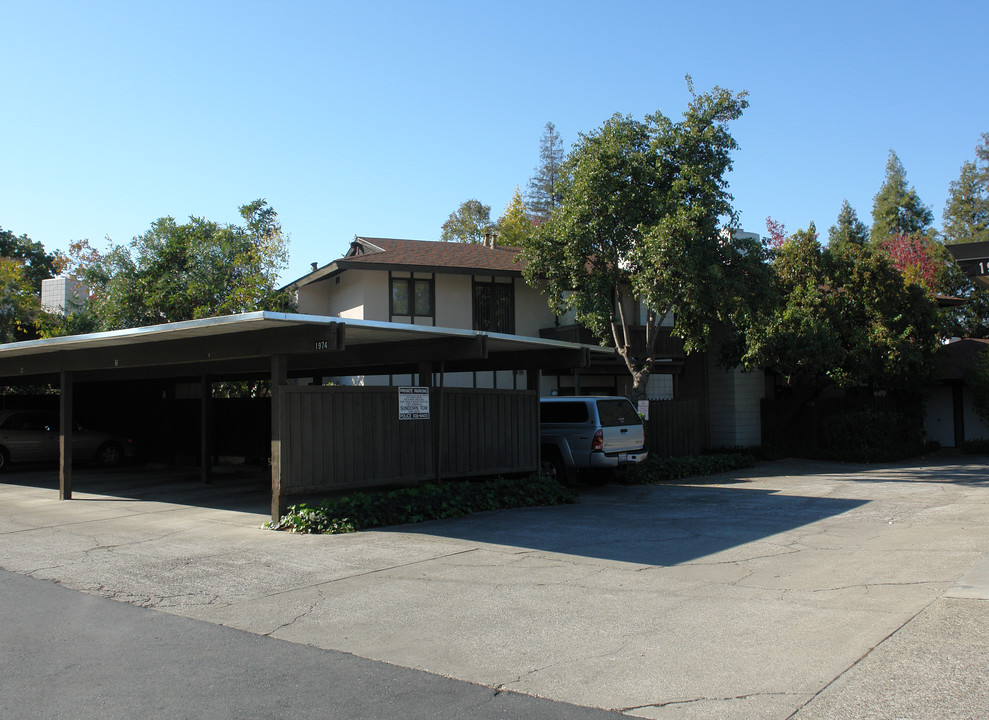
(380, 118)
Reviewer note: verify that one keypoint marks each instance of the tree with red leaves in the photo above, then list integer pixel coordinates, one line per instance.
(920, 258)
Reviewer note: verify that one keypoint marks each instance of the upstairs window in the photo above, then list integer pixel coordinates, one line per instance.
(494, 307)
(412, 297)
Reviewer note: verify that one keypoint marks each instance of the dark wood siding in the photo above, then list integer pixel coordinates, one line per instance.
(676, 428)
(343, 438)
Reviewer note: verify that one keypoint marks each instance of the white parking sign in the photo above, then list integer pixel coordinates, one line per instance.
(413, 403)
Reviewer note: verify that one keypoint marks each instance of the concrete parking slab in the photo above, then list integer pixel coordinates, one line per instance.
(757, 594)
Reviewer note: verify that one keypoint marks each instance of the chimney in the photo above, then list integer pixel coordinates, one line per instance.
(490, 238)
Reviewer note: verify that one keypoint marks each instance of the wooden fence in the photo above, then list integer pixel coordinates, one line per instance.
(676, 428)
(344, 438)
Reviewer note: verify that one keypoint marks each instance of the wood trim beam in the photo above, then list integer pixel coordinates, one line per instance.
(316, 339)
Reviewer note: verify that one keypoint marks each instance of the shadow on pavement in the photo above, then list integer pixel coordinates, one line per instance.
(244, 489)
(657, 525)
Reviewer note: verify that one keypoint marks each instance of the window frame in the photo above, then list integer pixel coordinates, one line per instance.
(481, 285)
(410, 282)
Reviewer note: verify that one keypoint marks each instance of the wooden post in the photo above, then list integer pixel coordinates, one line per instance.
(279, 454)
(206, 438)
(65, 437)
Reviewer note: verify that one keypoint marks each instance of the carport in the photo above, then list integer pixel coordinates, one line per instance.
(324, 439)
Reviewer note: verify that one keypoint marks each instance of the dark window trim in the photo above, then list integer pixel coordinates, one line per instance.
(411, 280)
(475, 284)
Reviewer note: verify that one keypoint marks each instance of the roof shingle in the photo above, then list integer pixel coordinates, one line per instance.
(427, 253)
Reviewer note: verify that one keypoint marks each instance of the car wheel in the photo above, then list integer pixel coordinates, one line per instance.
(109, 454)
(4, 459)
(552, 466)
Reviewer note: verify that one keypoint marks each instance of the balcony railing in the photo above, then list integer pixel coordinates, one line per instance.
(667, 346)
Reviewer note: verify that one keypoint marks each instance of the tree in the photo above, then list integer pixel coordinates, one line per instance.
(19, 300)
(777, 233)
(469, 223)
(646, 217)
(544, 186)
(515, 226)
(897, 209)
(194, 270)
(37, 264)
(966, 213)
(921, 259)
(844, 316)
(848, 230)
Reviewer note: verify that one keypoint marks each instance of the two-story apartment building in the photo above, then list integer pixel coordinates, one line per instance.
(480, 287)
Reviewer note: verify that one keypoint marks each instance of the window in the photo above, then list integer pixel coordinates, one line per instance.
(412, 297)
(494, 307)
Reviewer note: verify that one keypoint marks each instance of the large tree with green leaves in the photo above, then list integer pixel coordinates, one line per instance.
(845, 315)
(19, 301)
(896, 208)
(544, 194)
(646, 217)
(37, 264)
(966, 213)
(469, 223)
(188, 271)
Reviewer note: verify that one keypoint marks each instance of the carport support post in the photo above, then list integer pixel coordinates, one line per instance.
(279, 376)
(65, 437)
(436, 415)
(206, 430)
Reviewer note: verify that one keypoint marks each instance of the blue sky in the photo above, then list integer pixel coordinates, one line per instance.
(380, 118)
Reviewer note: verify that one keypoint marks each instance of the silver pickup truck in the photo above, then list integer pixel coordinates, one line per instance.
(588, 435)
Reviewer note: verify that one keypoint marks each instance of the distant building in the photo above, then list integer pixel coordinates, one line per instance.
(63, 295)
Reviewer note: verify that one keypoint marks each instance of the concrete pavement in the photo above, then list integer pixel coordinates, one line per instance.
(791, 590)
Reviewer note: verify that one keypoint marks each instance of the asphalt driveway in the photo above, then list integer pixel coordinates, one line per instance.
(794, 589)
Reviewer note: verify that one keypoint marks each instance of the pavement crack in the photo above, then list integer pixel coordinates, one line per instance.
(312, 606)
(688, 701)
(866, 654)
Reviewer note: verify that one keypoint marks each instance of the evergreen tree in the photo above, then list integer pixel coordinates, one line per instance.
(848, 230)
(897, 209)
(966, 214)
(544, 193)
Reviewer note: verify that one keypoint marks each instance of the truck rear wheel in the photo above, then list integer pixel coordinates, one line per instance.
(553, 467)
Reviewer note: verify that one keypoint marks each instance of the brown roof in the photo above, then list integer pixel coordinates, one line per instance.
(430, 254)
(956, 357)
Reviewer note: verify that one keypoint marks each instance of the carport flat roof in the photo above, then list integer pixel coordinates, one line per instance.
(238, 345)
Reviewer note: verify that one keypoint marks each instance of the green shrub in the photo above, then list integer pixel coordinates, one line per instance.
(979, 446)
(365, 510)
(871, 436)
(657, 469)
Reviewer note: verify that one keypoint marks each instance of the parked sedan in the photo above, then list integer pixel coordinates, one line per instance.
(32, 436)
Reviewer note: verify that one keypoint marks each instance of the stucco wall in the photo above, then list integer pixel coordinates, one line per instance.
(532, 313)
(453, 301)
(939, 417)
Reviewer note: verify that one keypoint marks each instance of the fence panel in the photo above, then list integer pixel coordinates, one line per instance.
(675, 428)
(344, 438)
